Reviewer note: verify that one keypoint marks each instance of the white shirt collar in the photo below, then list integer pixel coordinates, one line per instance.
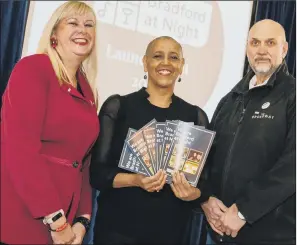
(253, 82)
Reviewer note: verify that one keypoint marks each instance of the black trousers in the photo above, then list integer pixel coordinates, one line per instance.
(113, 238)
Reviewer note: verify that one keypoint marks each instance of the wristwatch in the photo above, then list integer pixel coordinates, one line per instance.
(241, 216)
(84, 221)
(57, 215)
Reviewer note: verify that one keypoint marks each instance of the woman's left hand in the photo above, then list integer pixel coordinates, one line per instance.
(79, 231)
(182, 189)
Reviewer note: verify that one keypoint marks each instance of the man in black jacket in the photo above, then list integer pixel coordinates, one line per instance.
(251, 168)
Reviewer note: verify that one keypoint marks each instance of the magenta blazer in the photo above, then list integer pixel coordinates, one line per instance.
(47, 131)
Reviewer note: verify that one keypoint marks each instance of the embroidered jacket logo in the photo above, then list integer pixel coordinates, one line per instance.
(261, 115)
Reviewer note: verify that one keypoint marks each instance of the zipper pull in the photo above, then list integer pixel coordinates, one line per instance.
(241, 116)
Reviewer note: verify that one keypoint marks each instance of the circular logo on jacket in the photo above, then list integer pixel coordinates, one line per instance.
(265, 105)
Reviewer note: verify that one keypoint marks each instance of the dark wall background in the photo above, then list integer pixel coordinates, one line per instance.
(13, 17)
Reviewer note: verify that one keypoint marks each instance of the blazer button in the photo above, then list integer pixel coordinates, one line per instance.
(75, 164)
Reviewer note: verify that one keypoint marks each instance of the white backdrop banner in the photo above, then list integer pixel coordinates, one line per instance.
(213, 35)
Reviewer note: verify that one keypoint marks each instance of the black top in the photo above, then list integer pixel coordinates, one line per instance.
(79, 89)
(134, 212)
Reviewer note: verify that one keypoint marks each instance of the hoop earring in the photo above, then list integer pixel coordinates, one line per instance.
(179, 79)
(54, 42)
(145, 76)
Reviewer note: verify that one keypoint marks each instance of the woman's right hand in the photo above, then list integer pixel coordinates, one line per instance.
(152, 183)
(65, 236)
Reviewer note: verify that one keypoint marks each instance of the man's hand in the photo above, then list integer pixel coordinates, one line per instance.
(153, 183)
(79, 231)
(182, 189)
(231, 221)
(214, 210)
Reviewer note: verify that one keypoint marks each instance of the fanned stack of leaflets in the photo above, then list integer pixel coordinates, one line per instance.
(171, 146)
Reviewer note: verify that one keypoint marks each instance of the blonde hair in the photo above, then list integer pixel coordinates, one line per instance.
(89, 65)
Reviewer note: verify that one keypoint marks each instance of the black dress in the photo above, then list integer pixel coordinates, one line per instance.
(131, 215)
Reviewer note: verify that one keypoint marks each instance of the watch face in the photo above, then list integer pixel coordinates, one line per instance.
(56, 217)
(84, 221)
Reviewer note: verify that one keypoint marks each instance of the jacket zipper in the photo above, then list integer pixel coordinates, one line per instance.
(228, 162)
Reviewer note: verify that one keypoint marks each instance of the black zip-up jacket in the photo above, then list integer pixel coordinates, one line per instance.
(253, 159)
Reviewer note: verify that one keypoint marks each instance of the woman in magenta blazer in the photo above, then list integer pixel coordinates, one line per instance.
(49, 124)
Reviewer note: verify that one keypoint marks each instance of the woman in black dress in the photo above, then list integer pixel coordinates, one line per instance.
(132, 208)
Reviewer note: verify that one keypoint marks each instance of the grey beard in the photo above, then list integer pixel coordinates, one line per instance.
(264, 72)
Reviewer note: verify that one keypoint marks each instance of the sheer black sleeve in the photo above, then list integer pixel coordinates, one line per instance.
(102, 169)
(202, 119)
